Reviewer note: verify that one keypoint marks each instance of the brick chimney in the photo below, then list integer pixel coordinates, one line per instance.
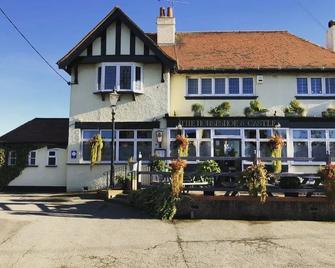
(331, 36)
(166, 27)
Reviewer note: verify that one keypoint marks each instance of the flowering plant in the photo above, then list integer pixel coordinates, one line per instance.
(255, 177)
(177, 167)
(276, 141)
(182, 144)
(327, 175)
(97, 145)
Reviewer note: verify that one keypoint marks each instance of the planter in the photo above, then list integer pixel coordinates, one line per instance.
(197, 114)
(292, 114)
(328, 114)
(256, 114)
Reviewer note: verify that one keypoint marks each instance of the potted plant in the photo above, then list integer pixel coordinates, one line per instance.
(255, 109)
(255, 178)
(276, 142)
(327, 175)
(221, 110)
(197, 109)
(294, 109)
(208, 167)
(330, 113)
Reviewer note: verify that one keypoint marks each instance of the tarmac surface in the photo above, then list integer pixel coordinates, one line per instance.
(62, 230)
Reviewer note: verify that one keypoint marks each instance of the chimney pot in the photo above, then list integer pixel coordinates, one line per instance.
(170, 12)
(162, 12)
(331, 23)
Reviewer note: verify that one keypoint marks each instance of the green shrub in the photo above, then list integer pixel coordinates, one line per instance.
(157, 201)
(255, 107)
(221, 110)
(197, 108)
(294, 109)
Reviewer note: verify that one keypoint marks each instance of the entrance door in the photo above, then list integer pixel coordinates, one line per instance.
(228, 148)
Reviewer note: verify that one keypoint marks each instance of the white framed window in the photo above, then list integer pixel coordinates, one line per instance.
(52, 158)
(200, 141)
(313, 143)
(32, 158)
(12, 157)
(315, 86)
(128, 143)
(220, 86)
(257, 140)
(120, 76)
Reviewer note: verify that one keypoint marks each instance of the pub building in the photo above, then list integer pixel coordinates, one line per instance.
(159, 77)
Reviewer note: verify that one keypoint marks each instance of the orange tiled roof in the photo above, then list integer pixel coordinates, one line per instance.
(246, 50)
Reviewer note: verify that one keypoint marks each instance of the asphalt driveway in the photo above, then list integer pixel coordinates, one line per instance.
(61, 230)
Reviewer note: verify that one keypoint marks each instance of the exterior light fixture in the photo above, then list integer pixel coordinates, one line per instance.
(179, 126)
(159, 137)
(277, 125)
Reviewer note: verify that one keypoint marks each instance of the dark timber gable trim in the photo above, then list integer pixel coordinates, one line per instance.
(132, 43)
(103, 44)
(115, 15)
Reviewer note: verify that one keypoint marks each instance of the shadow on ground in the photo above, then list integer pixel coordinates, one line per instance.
(69, 206)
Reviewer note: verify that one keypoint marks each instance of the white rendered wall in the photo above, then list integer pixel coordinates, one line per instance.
(43, 175)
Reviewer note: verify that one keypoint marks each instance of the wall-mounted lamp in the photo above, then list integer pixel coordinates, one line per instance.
(159, 137)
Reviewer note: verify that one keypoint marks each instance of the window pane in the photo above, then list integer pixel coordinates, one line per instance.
(191, 133)
(265, 149)
(88, 134)
(52, 153)
(126, 134)
(192, 86)
(234, 85)
(316, 84)
(173, 149)
(265, 133)
(332, 149)
(319, 151)
(144, 134)
(32, 162)
(332, 134)
(206, 133)
(302, 86)
(106, 151)
(174, 133)
(99, 78)
(318, 134)
(330, 85)
(145, 147)
(250, 149)
(192, 151)
(220, 85)
(32, 154)
(206, 86)
(125, 77)
(205, 148)
(300, 134)
(110, 77)
(300, 149)
(52, 161)
(138, 73)
(106, 134)
(126, 150)
(227, 132)
(250, 133)
(248, 86)
(280, 132)
(86, 151)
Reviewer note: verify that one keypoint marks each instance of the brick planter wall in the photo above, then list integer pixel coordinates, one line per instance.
(248, 208)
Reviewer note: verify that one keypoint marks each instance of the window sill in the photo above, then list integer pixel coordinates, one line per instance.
(308, 163)
(51, 166)
(221, 97)
(103, 93)
(34, 166)
(316, 97)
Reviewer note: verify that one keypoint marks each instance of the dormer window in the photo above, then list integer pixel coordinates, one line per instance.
(120, 76)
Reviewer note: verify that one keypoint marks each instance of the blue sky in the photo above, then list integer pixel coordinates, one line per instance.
(28, 88)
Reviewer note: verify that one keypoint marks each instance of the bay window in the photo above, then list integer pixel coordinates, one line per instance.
(121, 77)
